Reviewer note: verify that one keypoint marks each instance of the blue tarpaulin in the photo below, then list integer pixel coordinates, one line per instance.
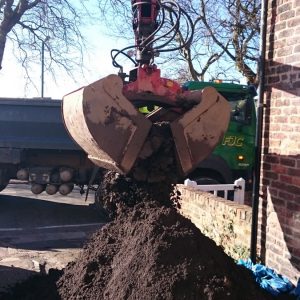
(269, 280)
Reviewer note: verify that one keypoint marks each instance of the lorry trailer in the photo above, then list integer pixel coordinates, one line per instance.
(35, 147)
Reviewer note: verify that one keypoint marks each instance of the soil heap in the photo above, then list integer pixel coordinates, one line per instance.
(148, 251)
(152, 252)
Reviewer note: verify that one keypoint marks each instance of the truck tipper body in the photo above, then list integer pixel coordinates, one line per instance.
(35, 147)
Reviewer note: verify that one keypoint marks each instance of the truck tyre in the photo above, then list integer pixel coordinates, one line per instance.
(205, 180)
(208, 177)
(3, 186)
(4, 179)
(212, 179)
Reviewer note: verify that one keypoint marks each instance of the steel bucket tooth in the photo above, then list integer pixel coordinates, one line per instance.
(198, 131)
(105, 124)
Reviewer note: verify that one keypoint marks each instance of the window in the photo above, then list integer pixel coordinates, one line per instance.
(240, 108)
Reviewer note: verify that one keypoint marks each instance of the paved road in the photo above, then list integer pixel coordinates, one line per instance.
(42, 232)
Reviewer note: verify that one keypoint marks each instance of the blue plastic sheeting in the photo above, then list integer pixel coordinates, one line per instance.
(269, 280)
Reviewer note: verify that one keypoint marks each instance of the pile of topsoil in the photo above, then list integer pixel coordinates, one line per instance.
(152, 252)
(148, 251)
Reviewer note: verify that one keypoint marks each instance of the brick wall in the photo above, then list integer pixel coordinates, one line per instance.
(279, 230)
(225, 222)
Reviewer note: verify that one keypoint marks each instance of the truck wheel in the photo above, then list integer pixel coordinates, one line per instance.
(3, 186)
(205, 180)
(208, 181)
(4, 179)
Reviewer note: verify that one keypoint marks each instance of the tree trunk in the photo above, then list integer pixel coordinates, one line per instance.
(2, 46)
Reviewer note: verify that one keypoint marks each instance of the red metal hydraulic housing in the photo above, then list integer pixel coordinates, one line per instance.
(150, 86)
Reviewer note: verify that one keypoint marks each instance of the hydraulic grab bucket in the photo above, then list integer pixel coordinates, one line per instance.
(105, 124)
(115, 135)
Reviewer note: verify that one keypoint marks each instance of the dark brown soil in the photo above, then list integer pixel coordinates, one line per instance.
(157, 160)
(152, 252)
(116, 190)
(149, 251)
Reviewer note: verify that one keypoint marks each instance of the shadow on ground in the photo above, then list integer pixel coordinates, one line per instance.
(35, 224)
(10, 275)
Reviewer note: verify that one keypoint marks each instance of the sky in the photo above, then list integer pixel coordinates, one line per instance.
(97, 63)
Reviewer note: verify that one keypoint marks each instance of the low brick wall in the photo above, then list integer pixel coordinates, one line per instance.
(225, 222)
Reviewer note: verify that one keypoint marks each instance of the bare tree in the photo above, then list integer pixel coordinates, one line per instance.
(226, 36)
(233, 25)
(33, 24)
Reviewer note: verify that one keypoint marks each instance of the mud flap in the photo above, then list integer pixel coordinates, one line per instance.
(105, 124)
(198, 131)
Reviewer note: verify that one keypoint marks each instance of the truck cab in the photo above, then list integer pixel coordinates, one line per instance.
(234, 156)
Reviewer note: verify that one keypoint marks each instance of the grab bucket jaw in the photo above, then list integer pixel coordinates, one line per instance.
(198, 131)
(105, 124)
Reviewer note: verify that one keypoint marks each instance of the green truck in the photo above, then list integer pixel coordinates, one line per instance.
(234, 156)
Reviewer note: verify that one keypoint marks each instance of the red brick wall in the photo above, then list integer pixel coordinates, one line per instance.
(224, 221)
(279, 230)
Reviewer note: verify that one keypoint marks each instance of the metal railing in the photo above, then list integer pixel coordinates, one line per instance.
(238, 188)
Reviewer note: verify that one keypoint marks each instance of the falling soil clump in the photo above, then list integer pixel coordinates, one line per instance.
(157, 160)
(116, 189)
